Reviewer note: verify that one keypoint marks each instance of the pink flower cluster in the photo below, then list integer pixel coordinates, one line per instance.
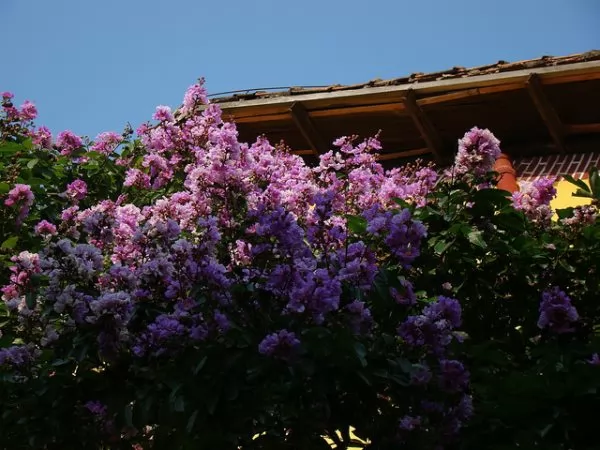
(534, 199)
(45, 228)
(77, 190)
(67, 142)
(26, 265)
(42, 137)
(26, 113)
(582, 215)
(106, 142)
(477, 153)
(22, 198)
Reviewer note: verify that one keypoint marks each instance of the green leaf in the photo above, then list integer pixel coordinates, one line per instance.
(361, 353)
(179, 404)
(31, 164)
(10, 243)
(200, 365)
(546, 429)
(441, 246)
(579, 183)
(401, 202)
(191, 422)
(4, 188)
(8, 148)
(363, 377)
(595, 182)
(212, 401)
(510, 219)
(30, 300)
(565, 265)
(61, 362)
(128, 415)
(476, 239)
(405, 365)
(27, 144)
(356, 224)
(583, 194)
(492, 196)
(565, 213)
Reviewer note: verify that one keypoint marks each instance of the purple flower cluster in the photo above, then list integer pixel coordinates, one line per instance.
(314, 291)
(411, 184)
(18, 356)
(96, 408)
(282, 344)
(594, 360)
(557, 314)
(235, 235)
(404, 296)
(115, 307)
(409, 423)
(433, 328)
(453, 376)
(100, 413)
(360, 319)
(159, 336)
(404, 235)
(357, 265)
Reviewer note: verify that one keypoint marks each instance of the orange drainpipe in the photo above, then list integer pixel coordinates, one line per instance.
(507, 178)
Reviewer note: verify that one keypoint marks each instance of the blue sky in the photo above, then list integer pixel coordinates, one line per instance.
(92, 66)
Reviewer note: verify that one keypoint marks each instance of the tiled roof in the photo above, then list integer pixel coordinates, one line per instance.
(455, 72)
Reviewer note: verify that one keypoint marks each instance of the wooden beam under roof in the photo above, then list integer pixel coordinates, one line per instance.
(425, 127)
(583, 128)
(404, 154)
(547, 112)
(380, 156)
(307, 128)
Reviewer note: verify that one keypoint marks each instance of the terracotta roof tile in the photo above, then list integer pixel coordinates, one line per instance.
(418, 77)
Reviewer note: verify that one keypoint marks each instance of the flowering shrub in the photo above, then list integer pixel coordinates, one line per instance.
(186, 290)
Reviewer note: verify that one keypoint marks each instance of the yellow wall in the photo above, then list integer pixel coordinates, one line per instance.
(564, 199)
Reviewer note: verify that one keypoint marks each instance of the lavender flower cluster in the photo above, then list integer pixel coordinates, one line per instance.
(254, 216)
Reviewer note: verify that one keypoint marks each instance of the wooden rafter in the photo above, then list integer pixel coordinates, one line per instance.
(307, 128)
(555, 127)
(426, 129)
(583, 128)
(303, 152)
(404, 154)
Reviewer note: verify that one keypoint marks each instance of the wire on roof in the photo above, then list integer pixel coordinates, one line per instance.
(278, 88)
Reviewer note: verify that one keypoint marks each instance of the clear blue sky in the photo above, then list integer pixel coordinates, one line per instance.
(93, 65)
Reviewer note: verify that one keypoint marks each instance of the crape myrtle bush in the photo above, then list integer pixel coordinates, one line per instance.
(177, 288)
